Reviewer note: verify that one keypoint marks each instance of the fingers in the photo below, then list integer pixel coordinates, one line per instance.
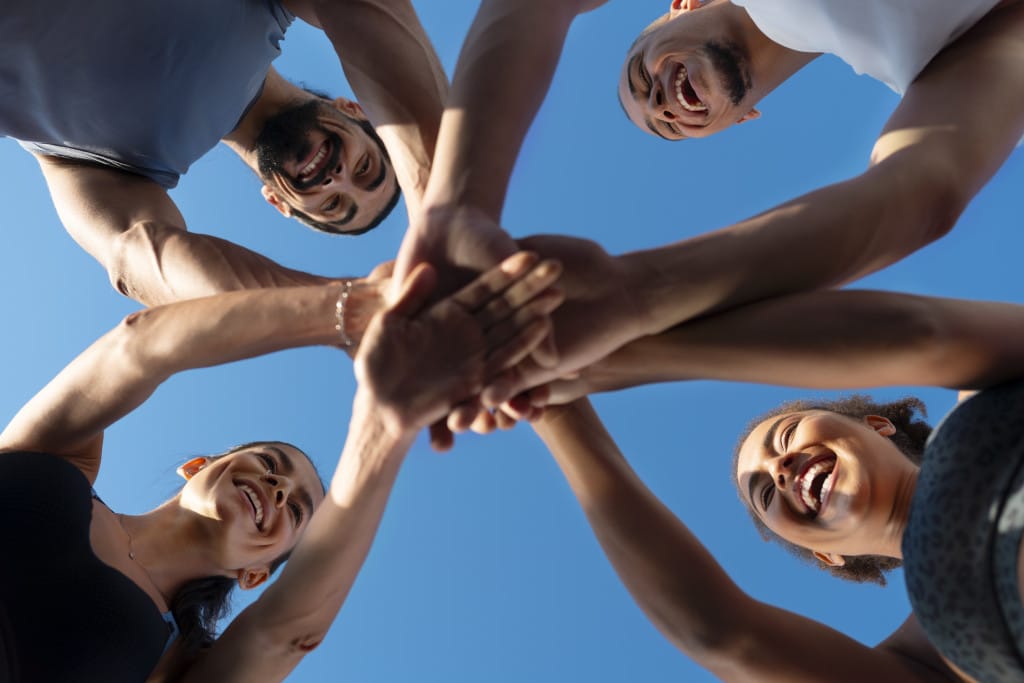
(415, 291)
(441, 438)
(527, 288)
(496, 280)
(504, 385)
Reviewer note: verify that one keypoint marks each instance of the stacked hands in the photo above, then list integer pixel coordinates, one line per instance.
(462, 354)
(508, 335)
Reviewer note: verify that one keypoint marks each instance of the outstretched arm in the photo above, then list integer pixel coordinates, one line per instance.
(412, 367)
(395, 74)
(130, 225)
(684, 591)
(504, 70)
(124, 367)
(934, 155)
(826, 340)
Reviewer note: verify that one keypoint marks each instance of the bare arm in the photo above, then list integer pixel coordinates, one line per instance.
(411, 368)
(947, 137)
(684, 591)
(827, 340)
(124, 367)
(485, 120)
(130, 225)
(396, 76)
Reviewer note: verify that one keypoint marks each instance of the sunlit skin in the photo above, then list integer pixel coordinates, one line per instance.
(353, 190)
(647, 85)
(865, 509)
(288, 490)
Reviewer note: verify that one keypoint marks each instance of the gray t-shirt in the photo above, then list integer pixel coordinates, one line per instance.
(146, 86)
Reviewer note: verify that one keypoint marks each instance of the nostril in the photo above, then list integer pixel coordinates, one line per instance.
(669, 115)
(279, 496)
(787, 462)
(659, 98)
(782, 480)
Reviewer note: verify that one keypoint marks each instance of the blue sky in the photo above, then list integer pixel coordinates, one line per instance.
(484, 568)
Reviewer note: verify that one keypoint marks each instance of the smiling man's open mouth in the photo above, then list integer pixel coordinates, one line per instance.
(815, 482)
(685, 94)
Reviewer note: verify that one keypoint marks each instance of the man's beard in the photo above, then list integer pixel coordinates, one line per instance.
(732, 64)
(285, 138)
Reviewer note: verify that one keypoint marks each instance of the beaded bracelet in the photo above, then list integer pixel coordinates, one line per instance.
(339, 314)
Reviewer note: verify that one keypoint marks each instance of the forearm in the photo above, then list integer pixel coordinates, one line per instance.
(673, 578)
(397, 77)
(824, 239)
(826, 340)
(487, 115)
(158, 264)
(294, 614)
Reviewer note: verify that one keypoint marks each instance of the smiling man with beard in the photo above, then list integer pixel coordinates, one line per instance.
(700, 69)
(155, 86)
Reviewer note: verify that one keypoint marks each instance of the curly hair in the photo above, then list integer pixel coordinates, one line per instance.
(911, 434)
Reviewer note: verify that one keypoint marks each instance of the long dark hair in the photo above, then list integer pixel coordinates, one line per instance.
(201, 603)
(911, 434)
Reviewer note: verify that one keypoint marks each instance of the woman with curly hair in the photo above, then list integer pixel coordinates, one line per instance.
(88, 594)
(856, 486)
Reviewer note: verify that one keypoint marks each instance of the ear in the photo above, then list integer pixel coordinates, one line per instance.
(750, 116)
(679, 6)
(250, 578)
(192, 467)
(830, 559)
(275, 201)
(350, 107)
(880, 425)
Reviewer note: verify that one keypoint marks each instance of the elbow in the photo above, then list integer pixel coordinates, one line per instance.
(134, 253)
(925, 190)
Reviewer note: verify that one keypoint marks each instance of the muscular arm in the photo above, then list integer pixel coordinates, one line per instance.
(130, 225)
(827, 340)
(396, 75)
(949, 135)
(684, 591)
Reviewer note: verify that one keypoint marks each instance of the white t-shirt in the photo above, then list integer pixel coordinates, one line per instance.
(890, 40)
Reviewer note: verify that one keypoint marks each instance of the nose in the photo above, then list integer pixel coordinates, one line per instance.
(334, 175)
(781, 469)
(280, 487)
(658, 105)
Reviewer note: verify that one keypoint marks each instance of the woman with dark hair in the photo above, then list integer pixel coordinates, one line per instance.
(87, 594)
(850, 484)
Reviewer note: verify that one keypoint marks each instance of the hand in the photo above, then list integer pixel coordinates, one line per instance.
(599, 313)
(419, 361)
(460, 242)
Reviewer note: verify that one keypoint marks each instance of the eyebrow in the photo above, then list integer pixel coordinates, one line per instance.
(757, 477)
(288, 467)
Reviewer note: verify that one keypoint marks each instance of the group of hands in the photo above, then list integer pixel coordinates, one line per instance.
(477, 326)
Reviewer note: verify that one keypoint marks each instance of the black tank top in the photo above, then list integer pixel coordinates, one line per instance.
(64, 614)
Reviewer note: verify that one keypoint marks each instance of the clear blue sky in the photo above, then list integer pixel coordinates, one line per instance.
(484, 568)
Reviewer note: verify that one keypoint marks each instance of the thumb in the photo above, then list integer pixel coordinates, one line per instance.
(415, 291)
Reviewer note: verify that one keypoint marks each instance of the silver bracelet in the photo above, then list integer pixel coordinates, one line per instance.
(339, 314)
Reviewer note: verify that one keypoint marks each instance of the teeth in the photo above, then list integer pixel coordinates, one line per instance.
(308, 168)
(807, 482)
(255, 501)
(680, 79)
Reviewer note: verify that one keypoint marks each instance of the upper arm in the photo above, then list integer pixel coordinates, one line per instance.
(68, 416)
(957, 127)
(97, 204)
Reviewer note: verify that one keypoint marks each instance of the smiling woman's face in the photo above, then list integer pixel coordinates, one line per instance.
(259, 499)
(823, 481)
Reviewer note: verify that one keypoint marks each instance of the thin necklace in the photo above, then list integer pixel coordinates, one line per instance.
(131, 544)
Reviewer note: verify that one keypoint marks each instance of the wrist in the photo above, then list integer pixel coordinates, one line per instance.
(354, 304)
(383, 419)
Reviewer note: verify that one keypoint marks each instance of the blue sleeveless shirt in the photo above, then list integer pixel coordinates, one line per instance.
(146, 86)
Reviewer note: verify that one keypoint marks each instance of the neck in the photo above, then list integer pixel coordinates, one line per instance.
(169, 543)
(896, 524)
(771, 64)
(277, 95)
